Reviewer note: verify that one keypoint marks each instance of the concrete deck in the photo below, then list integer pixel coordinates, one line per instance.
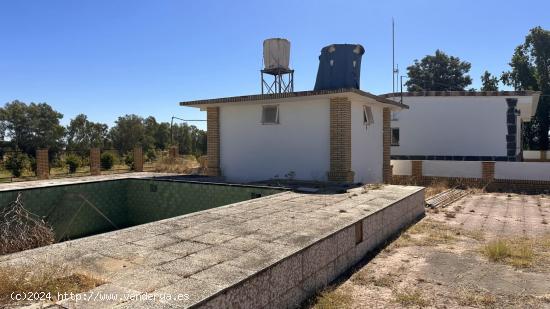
(18, 185)
(271, 252)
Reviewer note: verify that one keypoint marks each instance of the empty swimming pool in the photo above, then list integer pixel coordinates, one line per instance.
(83, 209)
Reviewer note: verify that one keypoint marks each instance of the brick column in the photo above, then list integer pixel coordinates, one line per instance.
(487, 171)
(340, 140)
(416, 169)
(95, 162)
(511, 123)
(172, 153)
(543, 155)
(42, 164)
(386, 146)
(138, 159)
(213, 141)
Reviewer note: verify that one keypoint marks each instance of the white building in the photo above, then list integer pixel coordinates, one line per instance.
(459, 125)
(327, 135)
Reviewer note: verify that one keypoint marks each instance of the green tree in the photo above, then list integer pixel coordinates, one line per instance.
(128, 132)
(439, 72)
(83, 134)
(32, 126)
(489, 82)
(530, 70)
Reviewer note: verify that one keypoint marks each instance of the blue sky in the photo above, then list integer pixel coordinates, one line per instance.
(107, 58)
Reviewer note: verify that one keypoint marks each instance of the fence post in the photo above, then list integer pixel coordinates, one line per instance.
(488, 171)
(95, 163)
(42, 164)
(416, 169)
(138, 159)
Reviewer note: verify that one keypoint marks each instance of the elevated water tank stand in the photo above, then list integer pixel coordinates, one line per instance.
(282, 82)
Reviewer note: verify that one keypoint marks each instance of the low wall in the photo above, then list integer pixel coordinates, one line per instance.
(536, 155)
(401, 167)
(294, 279)
(462, 169)
(515, 176)
(522, 170)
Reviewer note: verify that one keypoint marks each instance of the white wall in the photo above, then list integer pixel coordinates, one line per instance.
(453, 126)
(534, 154)
(465, 169)
(401, 167)
(366, 145)
(251, 151)
(522, 170)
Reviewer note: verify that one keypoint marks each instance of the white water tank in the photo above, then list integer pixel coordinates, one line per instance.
(276, 54)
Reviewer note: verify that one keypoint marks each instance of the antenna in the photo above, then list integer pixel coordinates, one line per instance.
(395, 69)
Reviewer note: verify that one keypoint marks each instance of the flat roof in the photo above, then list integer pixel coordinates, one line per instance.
(266, 97)
(460, 93)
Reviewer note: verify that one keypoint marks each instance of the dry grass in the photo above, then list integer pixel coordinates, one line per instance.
(42, 277)
(474, 298)
(178, 166)
(517, 252)
(428, 233)
(410, 297)
(333, 299)
(436, 187)
(365, 278)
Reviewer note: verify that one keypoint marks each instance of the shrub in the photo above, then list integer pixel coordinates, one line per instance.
(150, 155)
(129, 160)
(16, 163)
(73, 162)
(107, 160)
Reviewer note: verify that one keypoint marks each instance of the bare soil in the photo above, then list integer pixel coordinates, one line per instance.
(447, 260)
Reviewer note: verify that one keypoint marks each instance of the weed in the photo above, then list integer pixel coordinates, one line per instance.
(496, 250)
(365, 278)
(333, 299)
(410, 297)
(517, 252)
(473, 298)
(42, 277)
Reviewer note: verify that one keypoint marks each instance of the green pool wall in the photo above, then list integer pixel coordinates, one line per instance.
(125, 202)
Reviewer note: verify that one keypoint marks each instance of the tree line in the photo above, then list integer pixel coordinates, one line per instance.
(529, 70)
(27, 127)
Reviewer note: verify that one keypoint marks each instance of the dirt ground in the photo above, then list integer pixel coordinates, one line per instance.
(485, 250)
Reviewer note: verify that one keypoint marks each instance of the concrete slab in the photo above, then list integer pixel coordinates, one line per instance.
(267, 252)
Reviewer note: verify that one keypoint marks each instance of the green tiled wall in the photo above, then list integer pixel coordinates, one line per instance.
(150, 200)
(66, 210)
(78, 210)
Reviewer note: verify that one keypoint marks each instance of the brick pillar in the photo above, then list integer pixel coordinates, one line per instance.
(543, 155)
(487, 171)
(386, 146)
(340, 140)
(173, 153)
(138, 159)
(416, 169)
(42, 164)
(511, 123)
(95, 162)
(213, 141)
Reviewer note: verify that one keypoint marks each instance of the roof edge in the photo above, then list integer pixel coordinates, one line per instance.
(460, 93)
(261, 97)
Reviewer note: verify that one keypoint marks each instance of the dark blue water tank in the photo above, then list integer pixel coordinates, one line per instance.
(339, 67)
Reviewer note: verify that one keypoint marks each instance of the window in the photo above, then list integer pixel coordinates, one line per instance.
(395, 136)
(394, 116)
(368, 119)
(270, 114)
